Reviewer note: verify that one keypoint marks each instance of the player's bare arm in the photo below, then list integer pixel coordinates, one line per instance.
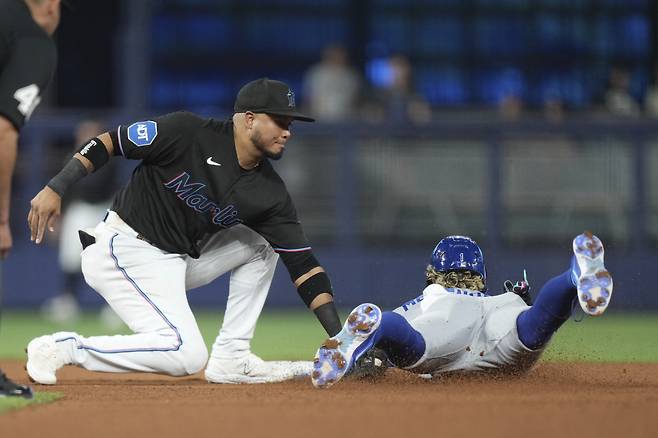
(8, 148)
(46, 206)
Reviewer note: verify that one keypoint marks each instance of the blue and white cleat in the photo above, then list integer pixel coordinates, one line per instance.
(338, 354)
(593, 281)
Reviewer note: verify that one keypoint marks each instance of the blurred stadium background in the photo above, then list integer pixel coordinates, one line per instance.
(517, 122)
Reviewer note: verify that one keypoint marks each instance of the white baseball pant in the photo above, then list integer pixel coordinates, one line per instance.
(147, 288)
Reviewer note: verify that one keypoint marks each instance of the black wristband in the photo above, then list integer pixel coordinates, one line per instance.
(314, 286)
(328, 317)
(96, 152)
(72, 172)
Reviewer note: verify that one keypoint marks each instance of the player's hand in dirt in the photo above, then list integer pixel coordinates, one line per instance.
(45, 208)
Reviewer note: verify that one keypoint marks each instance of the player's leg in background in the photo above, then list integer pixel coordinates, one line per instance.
(146, 288)
(586, 281)
(64, 306)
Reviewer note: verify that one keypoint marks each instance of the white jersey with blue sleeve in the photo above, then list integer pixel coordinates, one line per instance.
(468, 331)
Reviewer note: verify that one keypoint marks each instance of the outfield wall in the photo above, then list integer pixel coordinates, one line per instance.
(374, 200)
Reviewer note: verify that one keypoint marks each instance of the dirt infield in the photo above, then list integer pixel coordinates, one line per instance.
(597, 400)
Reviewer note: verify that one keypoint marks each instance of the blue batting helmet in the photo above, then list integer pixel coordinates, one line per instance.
(458, 253)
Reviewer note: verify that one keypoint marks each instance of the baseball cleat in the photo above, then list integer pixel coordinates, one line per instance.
(337, 354)
(42, 360)
(251, 369)
(12, 389)
(588, 274)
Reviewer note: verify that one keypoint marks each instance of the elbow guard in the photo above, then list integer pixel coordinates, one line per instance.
(314, 286)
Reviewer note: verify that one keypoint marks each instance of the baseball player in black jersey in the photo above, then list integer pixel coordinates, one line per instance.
(27, 62)
(204, 201)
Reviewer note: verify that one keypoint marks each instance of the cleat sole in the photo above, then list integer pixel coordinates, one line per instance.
(594, 282)
(336, 355)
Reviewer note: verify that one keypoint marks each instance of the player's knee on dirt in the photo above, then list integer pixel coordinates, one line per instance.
(196, 360)
(190, 359)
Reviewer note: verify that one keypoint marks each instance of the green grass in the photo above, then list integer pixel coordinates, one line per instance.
(610, 338)
(10, 403)
(296, 335)
(279, 334)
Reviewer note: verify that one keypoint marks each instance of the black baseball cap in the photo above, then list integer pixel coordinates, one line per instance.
(268, 96)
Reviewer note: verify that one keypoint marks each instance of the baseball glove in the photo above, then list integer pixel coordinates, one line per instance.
(371, 365)
(521, 288)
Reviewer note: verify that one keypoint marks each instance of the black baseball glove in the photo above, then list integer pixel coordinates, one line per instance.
(521, 288)
(371, 365)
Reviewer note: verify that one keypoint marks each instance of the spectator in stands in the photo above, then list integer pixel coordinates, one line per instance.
(651, 97)
(618, 98)
(332, 86)
(398, 100)
(510, 107)
(554, 109)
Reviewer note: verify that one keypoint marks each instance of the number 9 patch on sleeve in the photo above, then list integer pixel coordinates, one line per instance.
(143, 133)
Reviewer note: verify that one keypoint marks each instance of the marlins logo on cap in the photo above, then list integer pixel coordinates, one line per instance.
(291, 99)
(270, 97)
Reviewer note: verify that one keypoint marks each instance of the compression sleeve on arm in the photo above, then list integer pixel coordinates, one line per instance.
(300, 266)
(298, 263)
(69, 175)
(313, 286)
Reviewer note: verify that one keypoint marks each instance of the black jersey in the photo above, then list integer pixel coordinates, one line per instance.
(27, 61)
(190, 183)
